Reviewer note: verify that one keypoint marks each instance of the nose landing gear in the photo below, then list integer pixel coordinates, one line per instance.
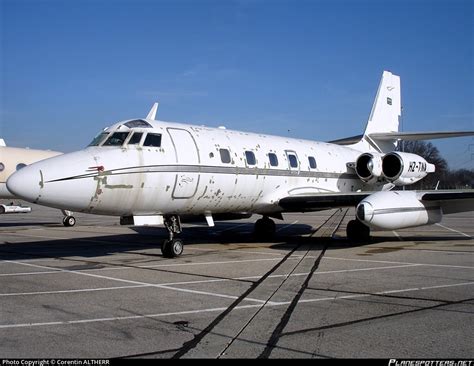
(172, 247)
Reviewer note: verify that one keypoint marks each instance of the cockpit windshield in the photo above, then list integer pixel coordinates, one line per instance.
(127, 138)
(116, 139)
(98, 139)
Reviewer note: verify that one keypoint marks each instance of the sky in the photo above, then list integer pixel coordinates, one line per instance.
(306, 69)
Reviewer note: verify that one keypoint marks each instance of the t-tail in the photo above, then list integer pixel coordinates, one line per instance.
(384, 118)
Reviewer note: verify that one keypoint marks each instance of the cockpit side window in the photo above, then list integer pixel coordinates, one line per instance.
(153, 139)
(135, 139)
(116, 139)
(98, 139)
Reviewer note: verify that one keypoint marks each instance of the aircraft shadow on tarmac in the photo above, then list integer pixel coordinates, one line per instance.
(298, 239)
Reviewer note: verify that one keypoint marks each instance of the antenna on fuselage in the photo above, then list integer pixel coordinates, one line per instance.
(152, 113)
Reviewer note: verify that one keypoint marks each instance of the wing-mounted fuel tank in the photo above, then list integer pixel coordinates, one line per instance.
(401, 168)
(392, 210)
(398, 168)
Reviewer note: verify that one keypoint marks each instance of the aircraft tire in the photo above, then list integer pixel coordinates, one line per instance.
(172, 248)
(69, 221)
(264, 228)
(2, 210)
(357, 231)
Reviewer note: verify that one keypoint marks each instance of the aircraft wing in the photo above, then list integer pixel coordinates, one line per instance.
(451, 201)
(321, 201)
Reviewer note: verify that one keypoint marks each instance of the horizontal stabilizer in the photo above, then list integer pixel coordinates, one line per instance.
(406, 136)
(415, 136)
(347, 140)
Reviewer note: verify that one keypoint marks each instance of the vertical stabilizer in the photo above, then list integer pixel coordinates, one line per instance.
(152, 113)
(2, 142)
(384, 116)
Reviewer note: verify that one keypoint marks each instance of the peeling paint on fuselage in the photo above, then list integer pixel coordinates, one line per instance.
(141, 180)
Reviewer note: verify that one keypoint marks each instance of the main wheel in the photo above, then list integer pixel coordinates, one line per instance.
(357, 231)
(172, 248)
(69, 221)
(264, 228)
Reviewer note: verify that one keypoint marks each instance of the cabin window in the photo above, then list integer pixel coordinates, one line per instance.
(135, 139)
(153, 139)
(138, 123)
(116, 139)
(2, 167)
(98, 139)
(293, 160)
(312, 162)
(273, 159)
(250, 157)
(225, 156)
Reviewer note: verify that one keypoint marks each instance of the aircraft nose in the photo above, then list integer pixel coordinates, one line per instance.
(26, 183)
(64, 181)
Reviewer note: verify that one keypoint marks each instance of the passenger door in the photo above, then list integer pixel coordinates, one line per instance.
(187, 163)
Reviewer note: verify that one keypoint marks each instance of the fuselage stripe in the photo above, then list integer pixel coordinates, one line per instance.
(211, 170)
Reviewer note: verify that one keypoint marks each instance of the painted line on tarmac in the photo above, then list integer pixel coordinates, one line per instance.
(284, 227)
(237, 250)
(203, 281)
(220, 309)
(118, 267)
(142, 283)
(398, 236)
(71, 291)
(455, 231)
(393, 262)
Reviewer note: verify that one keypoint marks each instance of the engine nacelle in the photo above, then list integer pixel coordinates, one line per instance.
(402, 168)
(369, 167)
(390, 210)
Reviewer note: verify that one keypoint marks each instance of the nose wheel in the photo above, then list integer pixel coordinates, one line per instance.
(172, 247)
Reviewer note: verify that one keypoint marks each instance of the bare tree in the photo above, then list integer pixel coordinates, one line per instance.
(431, 154)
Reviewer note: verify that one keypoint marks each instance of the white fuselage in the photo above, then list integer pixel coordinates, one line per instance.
(190, 173)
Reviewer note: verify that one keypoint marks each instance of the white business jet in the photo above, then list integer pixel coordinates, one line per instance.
(152, 172)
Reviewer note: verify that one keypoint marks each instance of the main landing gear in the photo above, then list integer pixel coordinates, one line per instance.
(68, 219)
(357, 231)
(264, 228)
(172, 247)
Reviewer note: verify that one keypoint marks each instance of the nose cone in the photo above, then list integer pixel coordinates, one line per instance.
(64, 181)
(26, 183)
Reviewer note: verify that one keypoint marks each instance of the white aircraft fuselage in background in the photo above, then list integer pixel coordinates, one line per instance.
(13, 159)
(153, 172)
